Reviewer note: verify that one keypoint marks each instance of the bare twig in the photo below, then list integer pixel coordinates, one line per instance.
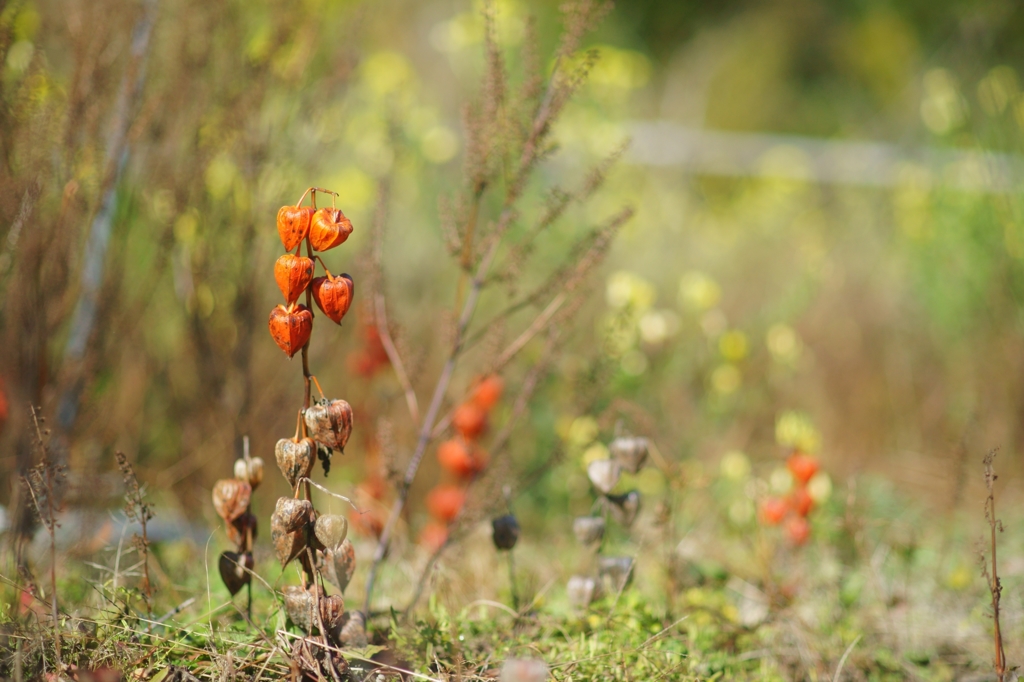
(995, 586)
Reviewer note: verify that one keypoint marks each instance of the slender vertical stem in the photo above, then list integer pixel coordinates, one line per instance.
(512, 580)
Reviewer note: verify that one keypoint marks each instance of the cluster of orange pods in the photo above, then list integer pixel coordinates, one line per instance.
(795, 508)
(292, 323)
(462, 458)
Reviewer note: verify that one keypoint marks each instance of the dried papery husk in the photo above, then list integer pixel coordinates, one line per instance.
(299, 604)
(624, 507)
(231, 498)
(338, 565)
(237, 529)
(589, 530)
(333, 295)
(292, 514)
(330, 422)
(234, 570)
(251, 471)
(615, 571)
(290, 327)
(329, 228)
(293, 275)
(505, 531)
(331, 530)
(295, 458)
(604, 474)
(582, 590)
(293, 224)
(332, 609)
(630, 452)
(287, 544)
(353, 630)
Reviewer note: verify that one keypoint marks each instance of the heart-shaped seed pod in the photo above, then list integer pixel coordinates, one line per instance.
(334, 295)
(589, 530)
(604, 474)
(287, 544)
(339, 564)
(292, 514)
(630, 452)
(332, 609)
(615, 572)
(233, 570)
(295, 458)
(582, 590)
(624, 507)
(239, 529)
(251, 471)
(299, 604)
(293, 224)
(328, 229)
(330, 423)
(231, 498)
(353, 630)
(505, 531)
(331, 529)
(293, 274)
(290, 327)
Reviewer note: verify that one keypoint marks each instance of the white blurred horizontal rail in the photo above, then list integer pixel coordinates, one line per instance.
(839, 162)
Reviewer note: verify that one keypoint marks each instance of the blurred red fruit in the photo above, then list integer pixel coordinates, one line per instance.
(433, 535)
(803, 467)
(469, 420)
(773, 510)
(488, 392)
(455, 458)
(445, 501)
(801, 502)
(798, 530)
(367, 523)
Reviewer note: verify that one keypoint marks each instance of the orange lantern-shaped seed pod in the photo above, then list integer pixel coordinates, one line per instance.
(773, 510)
(454, 456)
(469, 420)
(329, 228)
(803, 467)
(488, 392)
(293, 274)
(291, 327)
(293, 225)
(333, 295)
(445, 502)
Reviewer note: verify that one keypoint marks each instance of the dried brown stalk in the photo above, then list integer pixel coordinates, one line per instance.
(995, 585)
(136, 509)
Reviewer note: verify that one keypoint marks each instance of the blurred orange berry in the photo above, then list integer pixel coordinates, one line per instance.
(469, 420)
(488, 392)
(445, 501)
(367, 523)
(803, 467)
(798, 530)
(455, 458)
(773, 510)
(801, 502)
(433, 535)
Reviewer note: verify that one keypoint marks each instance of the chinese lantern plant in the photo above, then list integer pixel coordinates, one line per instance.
(793, 511)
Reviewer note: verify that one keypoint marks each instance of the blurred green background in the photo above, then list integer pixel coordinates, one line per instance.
(756, 278)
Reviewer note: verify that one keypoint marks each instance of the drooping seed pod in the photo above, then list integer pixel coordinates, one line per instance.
(292, 513)
(295, 458)
(469, 420)
(801, 502)
(582, 590)
(299, 604)
(231, 498)
(293, 274)
(630, 452)
(589, 530)
(235, 570)
(615, 571)
(353, 630)
(290, 327)
(773, 510)
(487, 392)
(433, 535)
(287, 544)
(329, 228)
(445, 502)
(251, 471)
(338, 565)
(333, 295)
(330, 422)
(798, 530)
(332, 609)
(293, 224)
(604, 474)
(624, 507)
(331, 529)
(803, 467)
(455, 458)
(505, 531)
(243, 529)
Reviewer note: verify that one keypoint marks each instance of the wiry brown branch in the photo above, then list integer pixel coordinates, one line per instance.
(995, 585)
